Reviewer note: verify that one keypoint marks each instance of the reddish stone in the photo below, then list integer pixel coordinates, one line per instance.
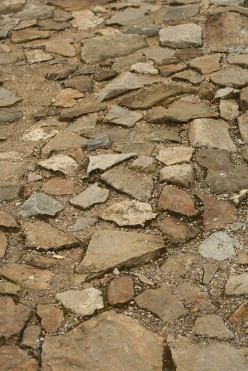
(52, 318)
(120, 290)
(13, 358)
(59, 187)
(240, 316)
(177, 231)
(31, 336)
(176, 200)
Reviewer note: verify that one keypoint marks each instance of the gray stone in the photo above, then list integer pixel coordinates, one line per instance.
(121, 116)
(9, 192)
(100, 142)
(99, 48)
(227, 179)
(105, 161)
(180, 12)
(31, 11)
(210, 158)
(41, 204)
(143, 348)
(10, 6)
(91, 196)
(83, 125)
(85, 19)
(144, 68)
(226, 93)
(235, 77)
(129, 17)
(83, 303)
(182, 175)
(6, 116)
(178, 265)
(210, 268)
(63, 141)
(237, 285)
(161, 55)
(181, 36)
(62, 163)
(163, 135)
(145, 164)
(83, 223)
(175, 155)
(212, 326)
(219, 246)
(131, 182)
(7, 98)
(113, 249)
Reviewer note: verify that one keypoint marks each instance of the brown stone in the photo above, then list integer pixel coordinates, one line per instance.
(13, 358)
(72, 114)
(3, 244)
(242, 258)
(244, 99)
(71, 5)
(240, 316)
(7, 221)
(178, 265)
(28, 34)
(52, 318)
(60, 187)
(168, 69)
(233, 77)
(60, 46)
(80, 83)
(206, 64)
(31, 336)
(176, 200)
(176, 230)
(120, 290)
(211, 158)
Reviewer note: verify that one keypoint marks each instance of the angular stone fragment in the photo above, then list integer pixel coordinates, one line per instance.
(177, 266)
(139, 149)
(120, 290)
(169, 69)
(28, 34)
(210, 268)
(7, 98)
(41, 204)
(240, 316)
(37, 56)
(107, 46)
(143, 348)
(244, 98)
(80, 83)
(7, 221)
(219, 246)
(177, 231)
(112, 249)
(9, 192)
(52, 318)
(60, 46)
(85, 20)
(144, 68)
(101, 142)
(227, 179)
(62, 163)
(161, 55)
(35, 11)
(213, 158)
(3, 244)
(176, 200)
(211, 134)
(131, 182)
(162, 303)
(180, 12)
(212, 326)
(181, 36)
(206, 64)
(163, 135)
(144, 163)
(105, 161)
(10, 6)
(63, 141)
(175, 155)
(229, 109)
(60, 187)
(91, 196)
(67, 98)
(235, 77)
(8, 288)
(182, 175)
(243, 126)
(237, 285)
(14, 358)
(226, 93)
(6, 116)
(129, 17)
(121, 116)
(31, 337)
(83, 125)
(83, 223)
(238, 59)
(189, 76)
(129, 213)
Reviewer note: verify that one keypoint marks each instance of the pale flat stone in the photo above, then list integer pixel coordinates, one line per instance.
(122, 116)
(176, 200)
(243, 126)
(206, 64)
(180, 12)
(62, 163)
(7, 98)
(181, 36)
(237, 285)
(229, 109)
(41, 204)
(91, 196)
(235, 77)
(85, 20)
(144, 68)
(175, 155)
(212, 326)
(161, 55)
(106, 161)
(178, 265)
(182, 175)
(37, 56)
(60, 46)
(188, 76)
(219, 246)
(129, 17)
(14, 358)
(63, 141)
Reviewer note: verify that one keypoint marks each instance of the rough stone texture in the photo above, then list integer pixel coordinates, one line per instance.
(175, 155)
(9, 192)
(120, 290)
(83, 222)
(182, 175)
(176, 230)
(206, 64)
(62, 163)
(138, 148)
(178, 265)
(229, 109)
(63, 141)
(121, 116)
(210, 269)
(110, 249)
(219, 246)
(91, 196)
(235, 77)
(240, 316)
(189, 76)
(132, 347)
(176, 200)
(180, 12)
(129, 17)
(67, 98)
(161, 55)
(227, 179)
(59, 187)
(23, 36)
(31, 336)
(41, 204)
(243, 126)
(52, 318)
(7, 220)
(11, 171)
(237, 285)
(14, 358)
(3, 244)
(212, 326)
(105, 161)
(181, 36)
(213, 158)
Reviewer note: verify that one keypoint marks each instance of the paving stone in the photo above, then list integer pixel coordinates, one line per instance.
(210, 268)
(161, 55)
(9, 6)
(113, 249)
(129, 213)
(85, 20)
(12, 357)
(37, 56)
(34, 11)
(177, 231)
(137, 148)
(229, 109)
(40, 261)
(91, 196)
(163, 135)
(226, 93)
(206, 64)
(52, 318)
(9, 192)
(237, 285)
(106, 161)
(242, 258)
(104, 75)
(129, 17)
(26, 24)
(182, 175)
(7, 98)
(41, 204)
(189, 76)
(178, 265)
(169, 69)
(8, 288)
(83, 125)
(61, 73)
(211, 133)
(76, 4)
(212, 326)
(60, 187)
(49, 25)
(99, 48)
(227, 179)
(210, 158)
(180, 12)
(13, 317)
(131, 182)
(244, 98)
(29, 34)
(3, 244)
(7, 220)
(219, 246)
(144, 68)
(145, 164)
(181, 36)
(101, 142)
(191, 356)
(121, 116)
(120, 290)
(162, 303)
(83, 223)
(80, 83)
(235, 77)
(175, 155)
(148, 31)
(176, 200)
(238, 59)
(144, 349)
(63, 141)
(60, 46)
(62, 163)
(243, 126)
(240, 316)
(67, 98)
(31, 336)
(6, 116)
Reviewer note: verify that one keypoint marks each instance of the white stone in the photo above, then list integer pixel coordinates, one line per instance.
(62, 163)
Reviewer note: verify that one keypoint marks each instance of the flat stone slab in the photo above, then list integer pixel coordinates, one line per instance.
(41, 235)
(219, 246)
(181, 36)
(227, 179)
(52, 318)
(62, 163)
(60, 187)
(129, 17)
(237, 285)
(63, 141)
(129, 213)
(83, 303)
(175, 155)
(60, 46)
(106, 161)
(110, 249)
(212, 326)
(121, 116)
(7, 98)
(12, 357)
(7, 220)
(12, 171)
(91, 196)
(178, 265)
(131, 182)
(143, 348)
(235, 77)
(182, 175)
(177, 200)
(120, 290)
(41, 204)
(180, 12)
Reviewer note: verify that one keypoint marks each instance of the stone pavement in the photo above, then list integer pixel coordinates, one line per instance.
(123, 185)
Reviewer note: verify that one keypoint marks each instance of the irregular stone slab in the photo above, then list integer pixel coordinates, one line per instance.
(129, 213)
(34, 11)
(229, 109)
(240, 316)
(31, 337)
(217, 214)
(138, 148)
(238, 59)
(237, 285)
(60, 46)
(3, 244)
(62, 163)
(41, 204)
(243, 127)
(131, 182)
(37, 56)
(51, 25)
(212, 326)
(129, 17)
(163, 135)
(189, 356)
(10, 6)
(244, 98)
(67, 98)
(63, 141)
(105, 161)
(180, 12)
(29, 34)
(85, 20)
(144, 68)
(226, 93)
(223, 31)
(52, 318)
(181, 36)
(83, 303)
(162, 303)
(101, 142)
(8, 288)
(113, 249)
(12, 171)
(176, 200)
(107, 46)
(31, 277)
(81, 83)
(235, 77)
(13, 317)
(83, 223)
(227, 179)
(161, 55)
(12, 357)
(7, 220)
(144, 349)
(189, 76)
(148, 31)
(60, 187)
(83, 125)
(123, 83)
(6, 116)
(91, 196)
(211, 134)
(178, 266)
(182, 175)
(210, 269)
(175, 155)
(120, 290)
(77, 4)
(177, 231)
(219, 246)
(145, 164)
(121, 116)
(169, 69)
(210, 158)
(206, 64)
(7, 98)
(9, 192)
(43, 236)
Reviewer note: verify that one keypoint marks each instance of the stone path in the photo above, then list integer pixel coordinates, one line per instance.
(123, 185)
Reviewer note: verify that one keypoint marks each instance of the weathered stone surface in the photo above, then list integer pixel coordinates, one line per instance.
(212, 326)
(237, 285)
(213, 158)
(101, 142)
(43, 236)
(178, 266)
(31, 336)
(227, 179)
(3, 244)
(106, 161)
(210, 268)
(243, 126)
(100, 48)
(110, 249)
(37, 56)
(85, 20)
(145, 149)
(148, 31)
(144, 349)
(28, 34)
(83, 303)
(189, 356)
(131, 182)
(7, 220)
(6, 116)
(7, 98)
(181, 36)
(80, 83)
(244, 98)
(176, 230)
(219, 246)
(83, 125)
(211, 134)
(121, 116)
(8, 288)
(180, 12)
(41, 204)
(14, 358)
(60, 46)
(145, 164)
(242, 258)
(13, 317)
(162, 303)
(129, 17)
(120, 290)
(235, 77)
(52, 318)
(188, 76)
(60, 187)
(176, 200)
(175, 155)
(144, 68)
(9, 6)
(206, 64)
(240, 316)
(182, 175)
(62, 163)
(91, 196)
(63, 141)
(226, 93)
(229, 109)
(168, 133)
(238, 59)
(161, 55)
(67, 98)
(129, 213)
(35, 11)
(9, 192)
